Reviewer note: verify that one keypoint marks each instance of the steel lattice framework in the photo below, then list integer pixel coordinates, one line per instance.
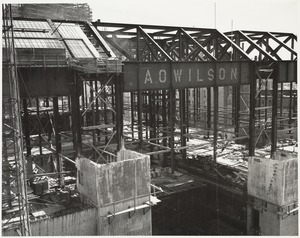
(271, 56)
(14, 191)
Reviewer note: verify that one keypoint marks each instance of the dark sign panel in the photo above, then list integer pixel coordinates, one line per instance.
(165, 75)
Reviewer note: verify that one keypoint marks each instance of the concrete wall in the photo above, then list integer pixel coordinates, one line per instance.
(115, 187)
(274, 181)
(138, 224)
(86, 179)
(269, 223)
(83, 223)
(289, 225)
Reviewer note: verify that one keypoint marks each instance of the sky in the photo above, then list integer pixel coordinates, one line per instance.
(226, 15)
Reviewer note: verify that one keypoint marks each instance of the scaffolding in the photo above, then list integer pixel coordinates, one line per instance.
(77, 11)
(14, 198)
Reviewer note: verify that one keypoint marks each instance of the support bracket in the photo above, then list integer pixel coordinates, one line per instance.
(146, 209)
(111, 218)
(131, 213)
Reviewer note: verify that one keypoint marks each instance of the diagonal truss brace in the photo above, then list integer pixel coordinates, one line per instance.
(281, 44)
(97, 94)
(168, 57)
(254, 45)
(234, 45)
(199, 45)
(100, 40)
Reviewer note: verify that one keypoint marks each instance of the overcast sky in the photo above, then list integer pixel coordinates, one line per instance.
(265, 15)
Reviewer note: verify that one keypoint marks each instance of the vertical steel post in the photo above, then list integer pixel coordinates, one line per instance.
(182, 121)
(274, 111)
(47, 102)
(164, 116)
(237, 109)
(147, 97)
(119, 110)
(76, 115)
(105, 111)
(195, 103)
(199, 103)
(208, 106)
(93, 121)
(259, 98)
(39, 125)
(113, 93)
(26, 128)
(132, 113)
(215, 124)
(252, 110)
(140, 112)
(57, 128)
(187, 114)
(97, 111)
(266, 102)
(216, 105)
(172, 126)
(139, 93)
(290, 106)
(281, 103)
(151, 119)
(27, 139)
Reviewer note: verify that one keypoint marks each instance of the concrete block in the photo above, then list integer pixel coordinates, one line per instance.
(274, 181)
(115, 187)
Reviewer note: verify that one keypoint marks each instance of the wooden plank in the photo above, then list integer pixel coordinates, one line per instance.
(85, 128)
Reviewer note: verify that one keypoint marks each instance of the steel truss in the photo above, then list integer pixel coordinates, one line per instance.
(14, 192)
(148, 43)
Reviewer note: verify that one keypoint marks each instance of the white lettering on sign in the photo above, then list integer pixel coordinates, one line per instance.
(233, 73)
(162, 76)
(210, 74)
(191, 76)
(198, 76)
(221, 73)
(148, 77)
(177, 74)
